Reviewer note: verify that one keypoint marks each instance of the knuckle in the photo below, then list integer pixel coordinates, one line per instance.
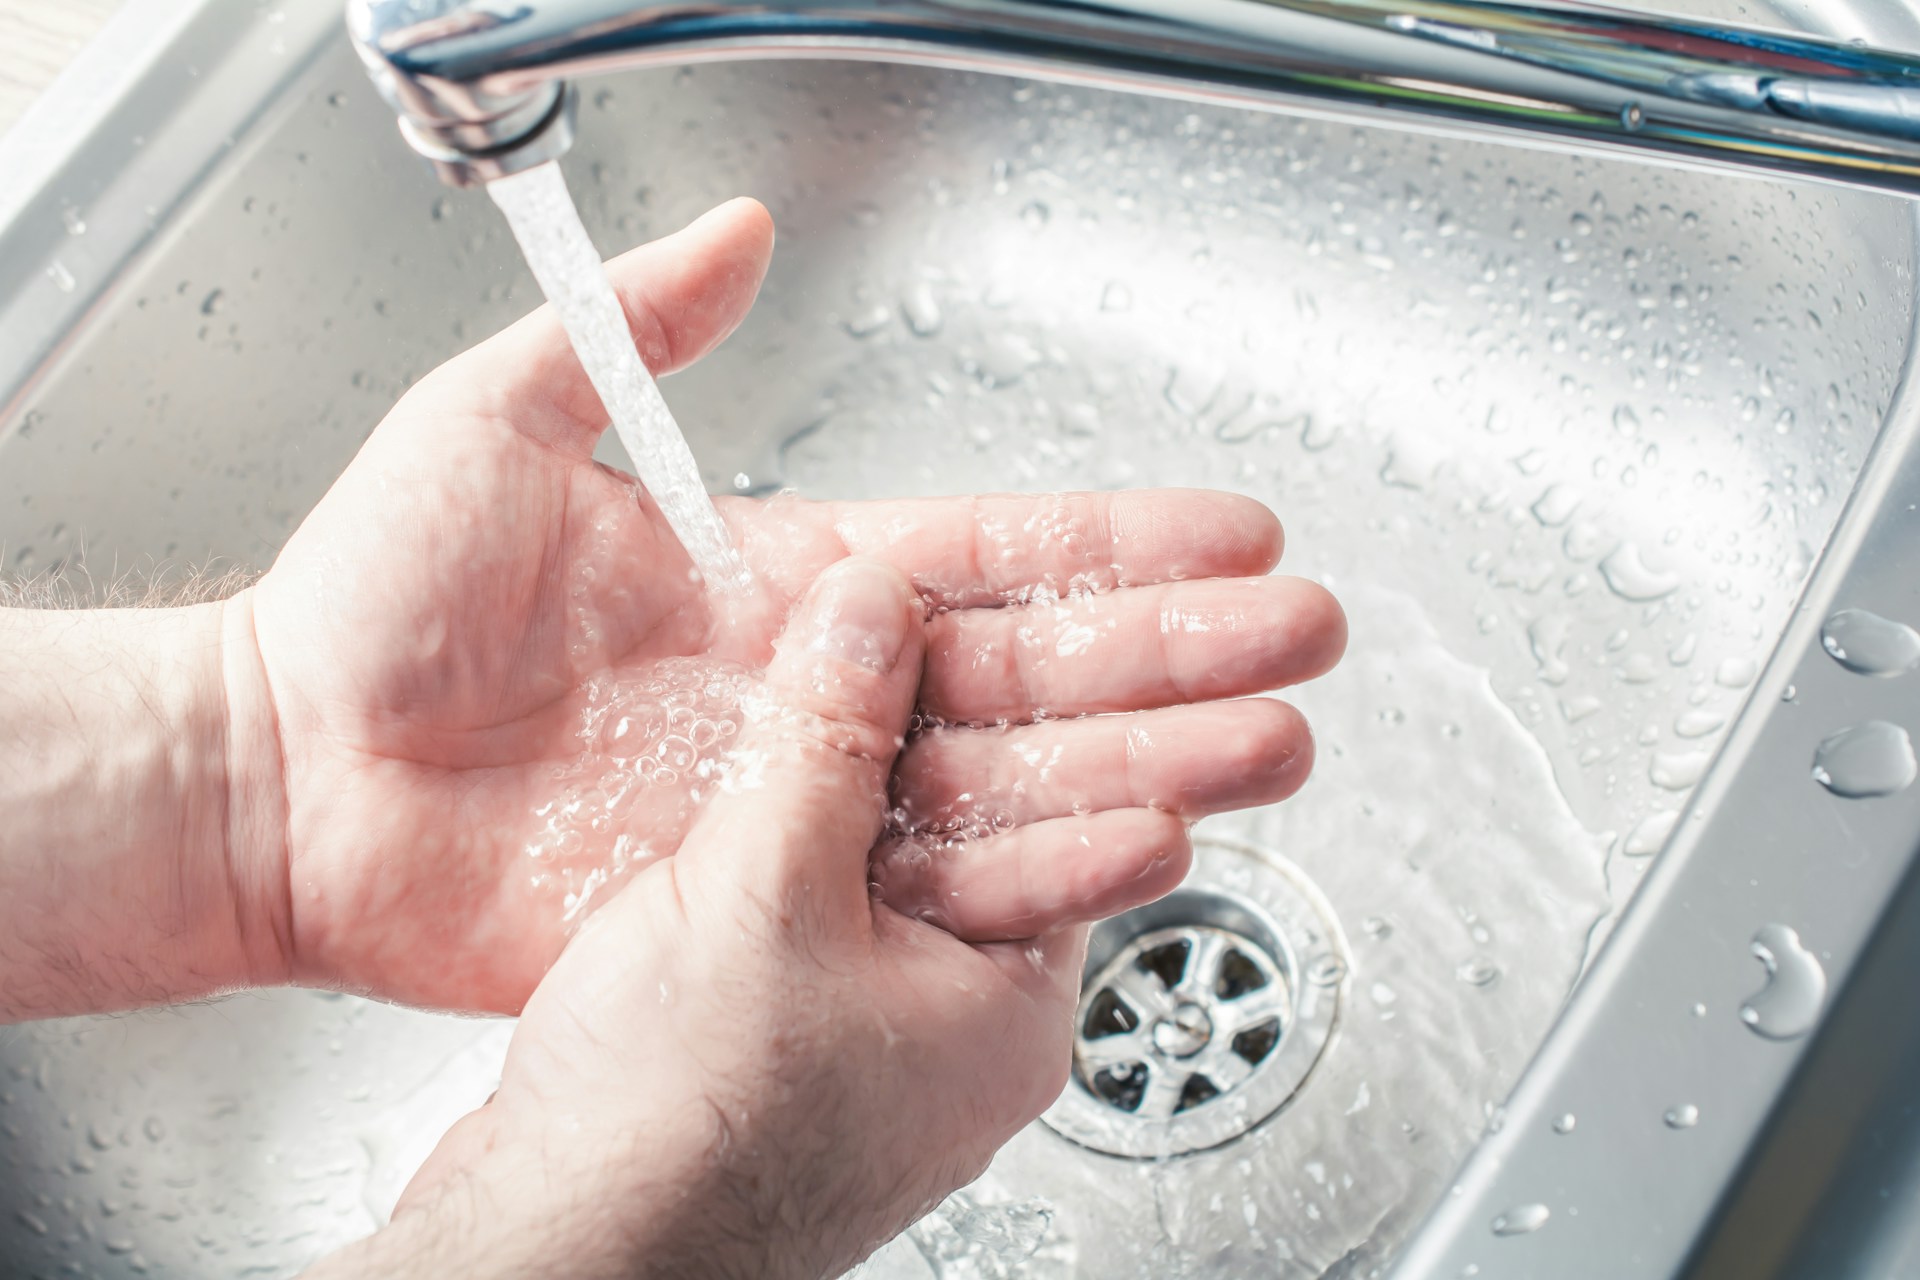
(838, 723)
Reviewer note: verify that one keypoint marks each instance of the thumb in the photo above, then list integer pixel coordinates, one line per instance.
(682, 294)
(805, 798)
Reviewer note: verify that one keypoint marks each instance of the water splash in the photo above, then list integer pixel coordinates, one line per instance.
(651, 743)
(564, 261)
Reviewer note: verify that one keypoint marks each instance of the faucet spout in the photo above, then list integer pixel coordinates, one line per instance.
(481, 86)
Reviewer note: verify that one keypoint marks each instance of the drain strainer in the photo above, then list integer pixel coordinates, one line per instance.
(1203, 1012)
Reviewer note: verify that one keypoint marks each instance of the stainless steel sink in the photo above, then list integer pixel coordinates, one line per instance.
(1567, 436)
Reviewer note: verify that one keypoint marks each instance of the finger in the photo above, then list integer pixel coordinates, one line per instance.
(1034, 879)
(682, 296)
(989, 549)
(805, 797)
(1150, 647)
(1048, 969)
(1189, 761)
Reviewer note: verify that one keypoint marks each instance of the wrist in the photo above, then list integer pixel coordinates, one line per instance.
(133, 865)
(254, 835)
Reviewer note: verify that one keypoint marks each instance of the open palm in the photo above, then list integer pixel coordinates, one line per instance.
(500, 689)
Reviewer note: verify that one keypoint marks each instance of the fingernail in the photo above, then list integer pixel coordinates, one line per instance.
(859, 614)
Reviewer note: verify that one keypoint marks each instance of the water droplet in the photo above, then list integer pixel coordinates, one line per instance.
(1008, 358)
(1555, 505)
(922, 311)
(1632, 117)
(1870, 644)
(1565, 1123)
(75, 224)
(1521, 1220)
(1326, 971)
(62, 278)
(1631, 578)
(1697, 723)
(1684, 1116)
(1116, 297)
(1678, 770)
(1796, 987)
(1873, 758)
(211, 304)
(868, 322)
(1317, 433)
(1650, 834)
(1638, 668)
(1035, 215)
(1402, 472)
(1547, 637)
(1579, 708)
(1477, 971)
(1734, 673)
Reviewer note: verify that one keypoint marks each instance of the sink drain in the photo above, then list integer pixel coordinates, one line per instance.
(1202, 1013)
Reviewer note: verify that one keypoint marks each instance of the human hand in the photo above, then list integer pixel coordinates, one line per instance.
(459, 647)
(744, 1064)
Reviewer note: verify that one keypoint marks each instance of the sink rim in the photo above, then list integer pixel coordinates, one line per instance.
(1600, 1043)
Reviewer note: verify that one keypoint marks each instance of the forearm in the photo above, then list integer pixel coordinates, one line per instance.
(541, 1199)
(135, 822)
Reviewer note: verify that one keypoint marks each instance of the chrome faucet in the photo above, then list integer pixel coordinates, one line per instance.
(483, 86)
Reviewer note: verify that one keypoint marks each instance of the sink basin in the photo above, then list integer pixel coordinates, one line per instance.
(1567, 437)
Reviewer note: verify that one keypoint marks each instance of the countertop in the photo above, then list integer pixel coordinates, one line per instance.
(37, 38)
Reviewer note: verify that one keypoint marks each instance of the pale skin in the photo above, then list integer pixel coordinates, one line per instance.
(330, 778)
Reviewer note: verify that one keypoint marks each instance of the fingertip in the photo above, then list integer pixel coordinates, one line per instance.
(1333, 630)
(1138, 856)
(1169, 534)
(1161, 859)
(1278, 746)
(754, 220)
(686, 293)
(1312, 627)
(1265, 537)
(861, 611)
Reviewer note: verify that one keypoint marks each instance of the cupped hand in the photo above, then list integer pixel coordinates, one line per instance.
(744, 1065)
(498, 690)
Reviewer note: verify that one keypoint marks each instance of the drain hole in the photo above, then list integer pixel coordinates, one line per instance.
(1108, 1015)
(1238, 975)
(1199, 1014)
(1255, 1043)
(1167, 962)
(1181, 1016)
(1197, 1090)
(1122, 1086)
